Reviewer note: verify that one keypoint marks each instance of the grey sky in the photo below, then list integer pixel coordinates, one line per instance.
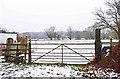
(36, 15)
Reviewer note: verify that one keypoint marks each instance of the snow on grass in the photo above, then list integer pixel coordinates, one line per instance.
(35, 70)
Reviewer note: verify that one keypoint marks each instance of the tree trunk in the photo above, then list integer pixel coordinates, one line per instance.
(119, 32)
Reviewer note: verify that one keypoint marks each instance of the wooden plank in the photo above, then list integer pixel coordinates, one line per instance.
(15, 44)
(12, 49)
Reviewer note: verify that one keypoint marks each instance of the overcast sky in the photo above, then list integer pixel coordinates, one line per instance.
(37, 15)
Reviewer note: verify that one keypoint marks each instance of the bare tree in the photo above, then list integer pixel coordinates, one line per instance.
(110, 18)
(70, 33)
(77, 35)
(51, 32)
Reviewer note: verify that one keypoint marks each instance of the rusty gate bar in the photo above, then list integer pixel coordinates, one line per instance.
(76, 52)
(62, 52)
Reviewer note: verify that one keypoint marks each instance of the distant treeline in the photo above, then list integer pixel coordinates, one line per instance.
(52, 34)
(77, 35)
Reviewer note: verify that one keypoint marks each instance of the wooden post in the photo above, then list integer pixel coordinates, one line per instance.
(17, 55)
(7, 51)
(29, 52)
(98, 45)
(110, 45)
(25, 48)
(9, 42)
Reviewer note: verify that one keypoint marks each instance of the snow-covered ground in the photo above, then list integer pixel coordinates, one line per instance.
(35, 70)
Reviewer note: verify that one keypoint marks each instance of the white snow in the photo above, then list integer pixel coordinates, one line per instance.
(35, 70)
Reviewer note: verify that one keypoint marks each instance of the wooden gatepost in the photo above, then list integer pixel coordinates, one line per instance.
(25, 47)
(98, 45)
(29, 52)
(26, 42)
(7, 50)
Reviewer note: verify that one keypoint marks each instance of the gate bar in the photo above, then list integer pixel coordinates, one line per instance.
(76, 52)
(62, 52)
(46, 53)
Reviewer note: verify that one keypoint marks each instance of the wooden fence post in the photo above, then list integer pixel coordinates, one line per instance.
(7, 51)
(9, 42)
(29, 52)
(25, 48)
(17, 55)
(98, 46)
(110, 45)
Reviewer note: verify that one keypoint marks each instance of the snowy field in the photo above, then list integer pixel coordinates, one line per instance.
(35, 70)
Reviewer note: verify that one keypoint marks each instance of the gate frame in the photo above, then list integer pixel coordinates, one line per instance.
(61, 45)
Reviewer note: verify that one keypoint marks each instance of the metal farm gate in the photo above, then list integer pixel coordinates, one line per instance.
(61, 52)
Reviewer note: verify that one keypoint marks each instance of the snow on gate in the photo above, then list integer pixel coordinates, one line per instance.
(74, 52)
